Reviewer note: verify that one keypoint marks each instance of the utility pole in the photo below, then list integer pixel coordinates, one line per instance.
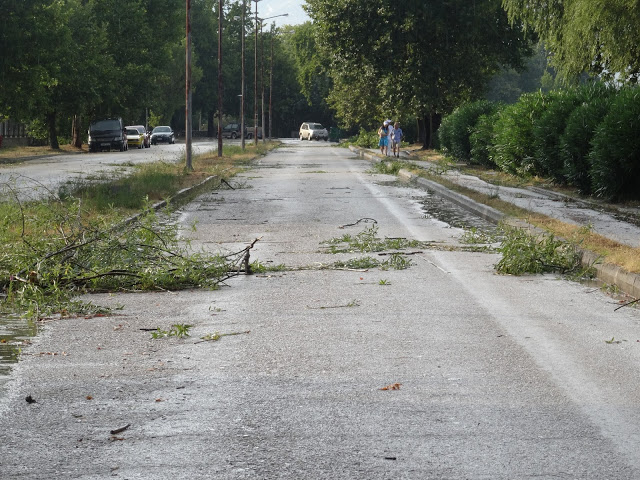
(264, 133)
(255, 83)
(220, 88)
(271, 85)
(242, 83)
(187, 109)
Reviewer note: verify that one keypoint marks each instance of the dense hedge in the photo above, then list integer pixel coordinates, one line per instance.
(455, 129)
(481, 138)
(587, 137)
(615, 153)
(575, 142)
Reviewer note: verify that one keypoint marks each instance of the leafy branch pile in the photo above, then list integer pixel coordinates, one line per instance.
(368, 241)
(54, 251)
(524, 253)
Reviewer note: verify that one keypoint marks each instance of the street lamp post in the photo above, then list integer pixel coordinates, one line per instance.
(255, 76)
(262, 72)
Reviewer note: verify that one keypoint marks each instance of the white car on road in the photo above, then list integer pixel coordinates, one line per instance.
(311, 131)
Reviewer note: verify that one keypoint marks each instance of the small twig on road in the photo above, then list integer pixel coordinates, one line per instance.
(627, 304)
(120, 430)
(353, 303)
(222, 180)
(364, 219)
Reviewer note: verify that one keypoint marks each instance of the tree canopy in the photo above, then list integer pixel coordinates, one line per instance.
(423, 57)
(595, 36)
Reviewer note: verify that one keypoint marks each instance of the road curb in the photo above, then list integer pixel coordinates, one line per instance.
(180, 198)
(608, 273)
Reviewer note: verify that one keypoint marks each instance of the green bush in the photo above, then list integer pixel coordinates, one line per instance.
(575, 142)
(550, 127)
(458, 128)
(365, 139)
(481, 137)
(444, 133)
(513, 150)
(615, 157)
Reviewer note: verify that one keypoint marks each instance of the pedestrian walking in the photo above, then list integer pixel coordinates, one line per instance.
(390, 137)
(383, 133)
(396, 138)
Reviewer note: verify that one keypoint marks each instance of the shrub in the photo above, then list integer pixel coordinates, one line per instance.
(513, 150)
(459, 126)
(481, 137)
(615, 157)
(444, 133)
(548, 130)
(575, 142)
(365, 139)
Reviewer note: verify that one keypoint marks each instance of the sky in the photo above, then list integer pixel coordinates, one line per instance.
(268, 8)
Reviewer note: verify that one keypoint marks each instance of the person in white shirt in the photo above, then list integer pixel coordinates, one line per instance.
(396, 138)
(390, 137)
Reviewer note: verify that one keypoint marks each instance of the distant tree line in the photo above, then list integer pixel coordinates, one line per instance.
(64, 63)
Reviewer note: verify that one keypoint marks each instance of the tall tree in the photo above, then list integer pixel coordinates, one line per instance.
(423, 57)
(596, 36)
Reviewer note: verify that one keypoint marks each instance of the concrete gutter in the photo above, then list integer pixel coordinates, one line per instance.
(607, 273)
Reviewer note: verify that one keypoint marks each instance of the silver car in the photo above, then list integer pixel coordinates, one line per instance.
(313, 131)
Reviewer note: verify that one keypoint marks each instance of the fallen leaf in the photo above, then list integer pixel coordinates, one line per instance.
(393, 386)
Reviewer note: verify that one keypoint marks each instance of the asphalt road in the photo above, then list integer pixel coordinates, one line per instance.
(40, 176)
(496, 377)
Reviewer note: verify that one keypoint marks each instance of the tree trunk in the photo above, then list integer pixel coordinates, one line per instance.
(76, 132)
(210, 124)
(53, 133)
(431, 123)
(421, 134)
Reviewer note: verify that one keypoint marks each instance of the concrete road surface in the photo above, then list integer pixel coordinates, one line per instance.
(486, 376)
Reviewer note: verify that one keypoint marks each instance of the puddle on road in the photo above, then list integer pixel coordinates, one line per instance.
(441, 209)
(435, 206)
(14, 333)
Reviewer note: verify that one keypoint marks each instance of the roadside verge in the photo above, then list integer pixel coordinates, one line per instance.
(608, 273)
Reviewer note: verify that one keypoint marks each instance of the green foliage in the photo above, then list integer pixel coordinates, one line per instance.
(179, 330)
(514, 149)
(55, 251)
(456, 128)
(599, 37)
(154, 179)
(365, 139)
(482, 138)
(412, 58)
(367, 241)
(615, 157)
(524, 253)
(575, 142)
(78, 58)
(395, 261)
(391, 167)
(549, 128)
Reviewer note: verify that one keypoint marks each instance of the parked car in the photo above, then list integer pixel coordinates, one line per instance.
(134, 137)
(107, 134)
(251, 132)
(145, 133)
(232, 130)
(313, 131)
(162, 134)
